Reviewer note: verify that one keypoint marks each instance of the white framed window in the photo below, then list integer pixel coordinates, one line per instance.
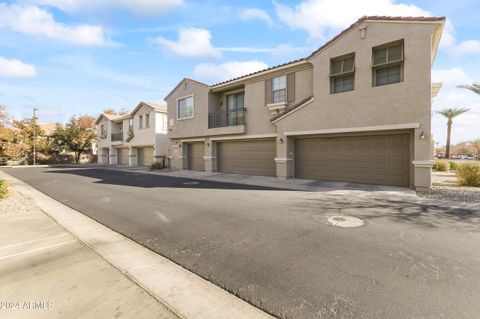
(140, 121)
(185, 107)
(130, 125)
(103, 130)
(279, 89)
(164, 123)
(342, 74)
(147, 120)
(387, 64)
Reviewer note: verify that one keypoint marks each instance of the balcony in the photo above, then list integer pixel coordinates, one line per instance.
(117, 137)
(226, 118)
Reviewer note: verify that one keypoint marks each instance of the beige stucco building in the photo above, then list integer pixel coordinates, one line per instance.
(139, 138)
(358, 109)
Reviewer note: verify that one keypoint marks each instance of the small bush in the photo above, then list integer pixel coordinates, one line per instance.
(442, 166)
(157, 165)
(3, 189)
(453, 165)
(469, 174)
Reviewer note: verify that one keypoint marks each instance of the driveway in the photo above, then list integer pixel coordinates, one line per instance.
(276, 248)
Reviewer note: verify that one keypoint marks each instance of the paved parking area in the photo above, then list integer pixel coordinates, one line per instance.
(278, 250)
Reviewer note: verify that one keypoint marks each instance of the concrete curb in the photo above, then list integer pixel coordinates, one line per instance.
(181, 291)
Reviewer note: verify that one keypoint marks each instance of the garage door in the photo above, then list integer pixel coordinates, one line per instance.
(247, 157)
(374, 159)
(123, 156)
(196, 152)
(145, 156)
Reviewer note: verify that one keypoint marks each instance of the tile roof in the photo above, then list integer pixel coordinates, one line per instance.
(156, 107)
(362, 19)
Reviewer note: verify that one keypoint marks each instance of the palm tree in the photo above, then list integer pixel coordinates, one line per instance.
(475, 87)
(450, 113)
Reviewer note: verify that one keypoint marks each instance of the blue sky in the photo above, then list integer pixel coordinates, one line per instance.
(69, 57)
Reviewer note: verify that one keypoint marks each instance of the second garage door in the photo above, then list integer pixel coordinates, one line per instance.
(375, 159)
(247, 157)
(196, 152)
(145, 156)
(123, 156)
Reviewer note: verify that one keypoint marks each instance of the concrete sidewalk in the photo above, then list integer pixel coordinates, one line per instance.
(390, 193)
(46, 272)
(306, 185)
(79, 268)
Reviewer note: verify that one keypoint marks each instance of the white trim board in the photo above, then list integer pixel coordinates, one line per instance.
(356, 129)
(244, 137)
(192, 140)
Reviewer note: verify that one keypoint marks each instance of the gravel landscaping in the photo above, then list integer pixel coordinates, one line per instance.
(16, 203)
(445, 186)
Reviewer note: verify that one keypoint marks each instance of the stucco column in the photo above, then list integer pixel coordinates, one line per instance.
(113, 156)
(422, 160)
(210, 158)
(284, 159)
(132, 156)
(178, 155)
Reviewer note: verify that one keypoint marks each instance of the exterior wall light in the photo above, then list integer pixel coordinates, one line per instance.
(208, 144)
(422, 135)
(281, 140)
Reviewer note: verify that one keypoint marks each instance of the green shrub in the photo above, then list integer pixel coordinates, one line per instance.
(453, 165)
(469, 174)
(157, 165)
(442, 166)
(3, 189)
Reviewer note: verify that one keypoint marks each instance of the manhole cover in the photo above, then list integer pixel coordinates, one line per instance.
(345, 221)
(190, 183)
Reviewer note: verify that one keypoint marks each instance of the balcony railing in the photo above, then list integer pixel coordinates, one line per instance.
(117, 137)
(226, 118)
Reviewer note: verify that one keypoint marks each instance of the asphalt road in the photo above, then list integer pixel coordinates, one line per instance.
(275, 248)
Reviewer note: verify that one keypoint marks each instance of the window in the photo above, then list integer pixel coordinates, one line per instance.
(103, 130)
(140, 122)
(342, 74)
(279, 89)
(147, 120)
(387, 64)
(185, 108)
(164, 123)
(235, 109)
(130, 126)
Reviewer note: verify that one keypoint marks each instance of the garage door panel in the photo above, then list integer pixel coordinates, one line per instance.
(196, 152)
(375, 159)
(145, 156)
(123, 156)
(247, 157)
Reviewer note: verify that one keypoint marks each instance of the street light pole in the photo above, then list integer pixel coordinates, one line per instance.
(34, 136)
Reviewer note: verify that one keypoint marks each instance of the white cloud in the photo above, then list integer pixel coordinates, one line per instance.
(282, 49)
(227, 70)
(16, 69)
(151, 7)
(254, 13)
(451, 78)
(322, 17)
(192, 42)
(465, 127)
(468, 47)
(143, 7)
(38, 22)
